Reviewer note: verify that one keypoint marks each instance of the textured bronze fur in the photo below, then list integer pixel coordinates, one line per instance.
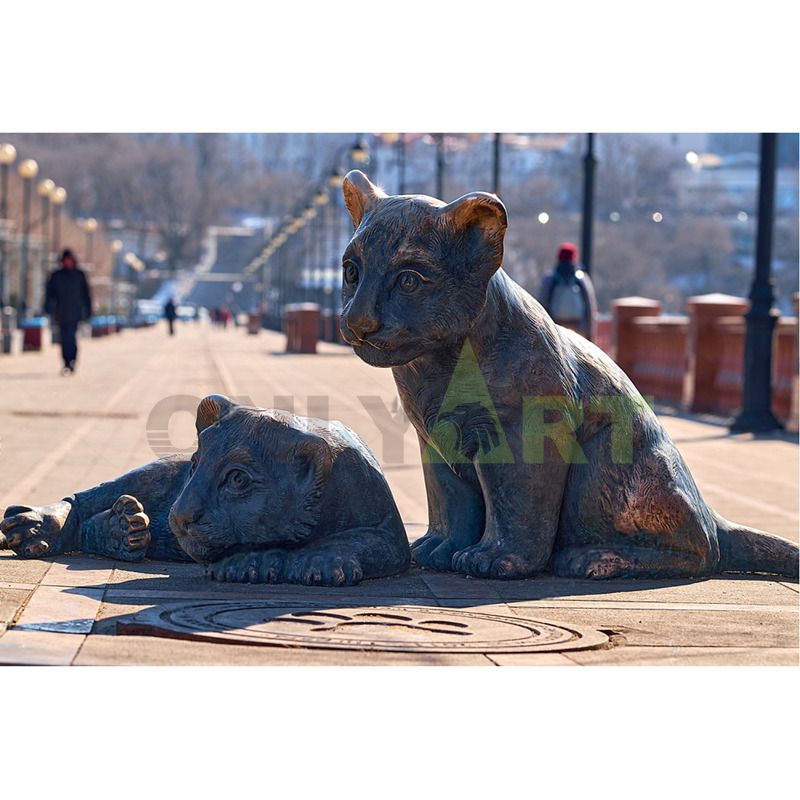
(424, 293)
(268, 497)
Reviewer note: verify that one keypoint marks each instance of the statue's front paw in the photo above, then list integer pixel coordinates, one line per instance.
(434, 550)
(260, 567)
(35, 531)
(324, 569)
(128, 528)
(492, 561)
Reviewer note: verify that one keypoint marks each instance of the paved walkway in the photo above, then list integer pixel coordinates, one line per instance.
(59, 434)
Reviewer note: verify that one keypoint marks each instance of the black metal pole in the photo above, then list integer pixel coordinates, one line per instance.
(319, 250)
(498, 144)
(3, 216)
(439, 165)
(56, 228)
(334, 244)
(3, 191)
(45, 237)
(264, 289)
(308, 259)
(401, 164)
(45, 220)
(114, 260)
(282, 281)
(756, 415)
(589, 164)
(23, 266)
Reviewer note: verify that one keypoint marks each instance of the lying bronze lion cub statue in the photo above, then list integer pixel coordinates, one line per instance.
(537, 449)
(268, 497)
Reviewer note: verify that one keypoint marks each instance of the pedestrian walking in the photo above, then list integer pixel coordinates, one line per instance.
(568, 293)
(170, 314)
(68, 301)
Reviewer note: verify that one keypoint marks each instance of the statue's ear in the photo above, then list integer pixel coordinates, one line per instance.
(481, 209)
(359, 194)
(212, 409)
(314, 461)
(478, 219)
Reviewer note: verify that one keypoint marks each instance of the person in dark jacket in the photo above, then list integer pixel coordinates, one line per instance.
(68, 300)
(568, 294)
(170, 314)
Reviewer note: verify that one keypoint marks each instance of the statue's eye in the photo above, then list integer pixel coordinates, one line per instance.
(408, 281)
(237, 479)
(350, 273)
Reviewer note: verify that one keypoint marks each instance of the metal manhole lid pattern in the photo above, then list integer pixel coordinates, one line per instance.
(378, 628)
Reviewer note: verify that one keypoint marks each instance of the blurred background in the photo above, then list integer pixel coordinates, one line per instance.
(252, 221)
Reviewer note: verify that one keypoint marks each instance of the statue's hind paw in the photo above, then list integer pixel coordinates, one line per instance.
(591, 563)
(35, 531)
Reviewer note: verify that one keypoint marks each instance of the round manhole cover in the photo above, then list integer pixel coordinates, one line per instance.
(387, 628)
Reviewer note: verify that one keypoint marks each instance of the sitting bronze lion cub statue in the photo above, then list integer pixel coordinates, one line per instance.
(268, 497)
(537, 449)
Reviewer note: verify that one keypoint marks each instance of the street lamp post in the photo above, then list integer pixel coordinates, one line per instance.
(439, 138)
(307, 253)
(589, 164)
(8, 154)
(756, 415)
(90, 228)
(57, 199)
(28, 170)
(320, 201)
(45, 191)
(497, 148)
(335, 182)
(401, 164)
(359, 155)
(116, 249)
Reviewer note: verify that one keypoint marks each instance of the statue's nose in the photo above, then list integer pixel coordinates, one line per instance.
(180, 518)
(362, 325)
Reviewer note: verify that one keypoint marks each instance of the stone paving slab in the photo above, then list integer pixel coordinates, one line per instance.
(22, 570)
(61, 610)
(754, 628)
(728, 589)
(146, 650)
(531, 660)
(18, 647)
(687, 656)
(77, 572)
(11, 603)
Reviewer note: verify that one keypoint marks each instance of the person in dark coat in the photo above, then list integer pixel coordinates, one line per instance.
(170, 315)
(568, 294)
(68, 301)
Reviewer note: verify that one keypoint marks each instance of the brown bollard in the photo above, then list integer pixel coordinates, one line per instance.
(793, 421)
(624, 310)
(706, 346)
(302, 327)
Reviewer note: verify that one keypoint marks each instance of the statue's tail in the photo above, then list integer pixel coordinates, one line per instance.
(743, 549)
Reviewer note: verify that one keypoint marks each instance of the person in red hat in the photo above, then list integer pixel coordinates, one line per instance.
(568, 294)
